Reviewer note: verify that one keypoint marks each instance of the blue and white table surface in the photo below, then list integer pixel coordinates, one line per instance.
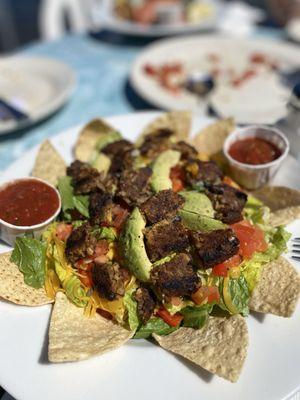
(102, 64)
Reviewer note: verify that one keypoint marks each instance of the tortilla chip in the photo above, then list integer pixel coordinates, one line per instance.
(13, 288)
(278, 197)
(285, 216)
(177, 121)
(49, 165)
(88, 138)
(73, 337)
(220, 347)
(278, 290)
(210, 140)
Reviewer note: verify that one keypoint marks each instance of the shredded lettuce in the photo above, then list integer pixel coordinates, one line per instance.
(131, 306)
(236, 295)
(69, 200)
(105, 233)
(29, 255)
(154, 325)
(196, 316)
(256, 212)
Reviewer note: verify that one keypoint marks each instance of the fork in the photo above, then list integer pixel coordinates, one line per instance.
(296, 249)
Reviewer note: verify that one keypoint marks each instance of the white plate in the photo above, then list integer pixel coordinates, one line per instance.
(38, 86)
(293, 29)
(266, 104)
(112, 22)
(141, 370)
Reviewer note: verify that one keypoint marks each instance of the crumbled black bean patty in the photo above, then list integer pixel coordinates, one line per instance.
(97, 205)
(164, 238)
(187, 151)
(85, 178)
(215, 247)
(108, 280)
(134, 186)
(228, 202)
(163, 205)
(156, 142)
(80, 244)
(120, 153)
(202, 171)
(175, 278)
(145, 304)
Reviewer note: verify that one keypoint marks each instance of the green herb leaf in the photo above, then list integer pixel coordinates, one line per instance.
(29, 255)
(69, 200)
(154, 325)
(131, 305)
(105, 233)
(196, 316)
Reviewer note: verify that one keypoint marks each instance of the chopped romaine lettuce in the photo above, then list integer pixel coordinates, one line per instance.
(236, 295)
(256, 212)
(105, 233)
(196, 316)
(29, 255)
(154, 325)
(69, 200)
(131, 306)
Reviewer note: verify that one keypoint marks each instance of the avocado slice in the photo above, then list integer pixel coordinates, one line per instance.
(133, 248)
(161, 170)
(106, 139)
(197, 203)
(199, 222)
(101, 163)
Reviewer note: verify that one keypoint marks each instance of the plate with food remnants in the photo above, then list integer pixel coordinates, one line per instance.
(249, 80)
(155, 18)
(136, 261)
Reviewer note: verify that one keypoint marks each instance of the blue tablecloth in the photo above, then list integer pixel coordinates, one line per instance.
(102, 64)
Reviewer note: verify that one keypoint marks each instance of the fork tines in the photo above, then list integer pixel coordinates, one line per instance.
(297, 239)
(296, 258)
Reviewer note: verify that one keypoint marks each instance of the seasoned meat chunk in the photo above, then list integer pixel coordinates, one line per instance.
(97, 205)
(134, 187)
(80, 244)
(202, 171)
(164, 238)
(85, 178)
(156, 142)
(108, 280)
(215, 247)
(165, 204)
(120, 153)
(175, 278)
(145, 304)
(187, 151)
(228, 202)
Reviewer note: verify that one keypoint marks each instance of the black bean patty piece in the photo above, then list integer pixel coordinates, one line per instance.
(175, 278)
(228, 202)
(85, 178)
(164, 238)
(99, 201)
(163, 205)
(108, 280)
(156, 142)
(145, 304)
(215, 247)
(187, 151)
(120, 153)
(80, 244)
(202, 171)
(134, 186)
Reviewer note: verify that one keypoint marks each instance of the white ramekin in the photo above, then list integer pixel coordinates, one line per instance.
(9, 232)
(255, 176)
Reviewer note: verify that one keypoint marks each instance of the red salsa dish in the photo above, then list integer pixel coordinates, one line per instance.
(254, 151)
(27, 202)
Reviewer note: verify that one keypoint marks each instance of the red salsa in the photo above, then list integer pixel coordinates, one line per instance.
(254, 151)
(27, 202)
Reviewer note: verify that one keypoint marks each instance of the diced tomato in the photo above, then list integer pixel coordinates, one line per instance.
(172, 320)
(209, 293)
(101, 248)
(63, 231)
(258, 58)
(222, 269)
(85, 273)
(149, 69)
(177, 177)
(251, 238)
(176, 301)
(119, 215)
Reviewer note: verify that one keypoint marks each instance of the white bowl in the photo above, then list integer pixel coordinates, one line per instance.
(9, 232)
(255, 176)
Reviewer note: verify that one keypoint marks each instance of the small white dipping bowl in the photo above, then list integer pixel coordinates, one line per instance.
(255, 176)
(9, 232)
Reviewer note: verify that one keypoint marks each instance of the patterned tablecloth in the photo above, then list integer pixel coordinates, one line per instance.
(102, 64)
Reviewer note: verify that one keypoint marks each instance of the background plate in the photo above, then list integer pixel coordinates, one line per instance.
(141, 369)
